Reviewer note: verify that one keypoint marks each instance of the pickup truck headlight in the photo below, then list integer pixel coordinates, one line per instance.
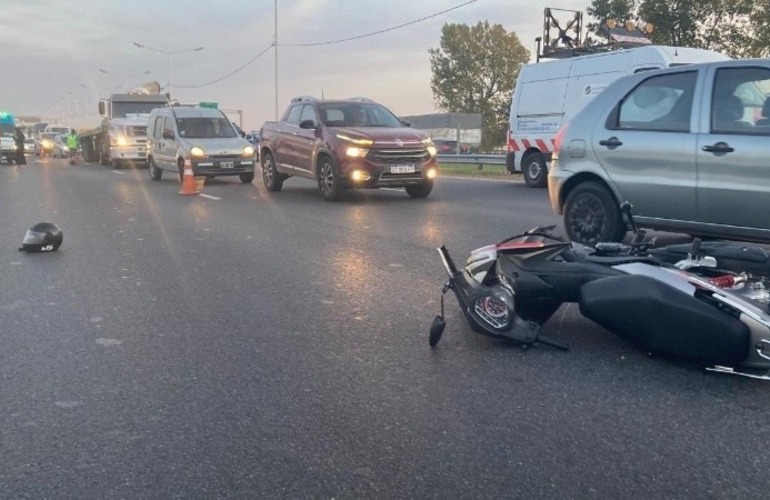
(356, 152)
(430, 146)
(197, 152)
(248, 151)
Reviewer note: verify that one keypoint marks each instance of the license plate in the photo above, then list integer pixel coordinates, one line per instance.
(226, 164)
(402, 169)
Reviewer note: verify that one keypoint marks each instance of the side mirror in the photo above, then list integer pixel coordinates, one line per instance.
(406, 123)
(307, 124)
(167, 134)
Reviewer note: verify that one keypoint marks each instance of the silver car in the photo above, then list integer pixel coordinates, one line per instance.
(204, 137)
(687, 146)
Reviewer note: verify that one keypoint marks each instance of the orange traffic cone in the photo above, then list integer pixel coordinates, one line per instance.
(188, 180)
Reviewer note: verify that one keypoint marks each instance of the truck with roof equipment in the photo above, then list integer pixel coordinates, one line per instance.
(549, 93)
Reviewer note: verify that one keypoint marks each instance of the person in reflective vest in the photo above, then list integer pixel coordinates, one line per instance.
(72, 142)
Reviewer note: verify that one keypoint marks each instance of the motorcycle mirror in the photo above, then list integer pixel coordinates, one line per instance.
(436, 330)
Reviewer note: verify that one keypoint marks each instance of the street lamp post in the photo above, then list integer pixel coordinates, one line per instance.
(127, 76)
(168, 56)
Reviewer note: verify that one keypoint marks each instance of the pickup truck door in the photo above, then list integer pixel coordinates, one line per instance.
(305, 140)
(647, 146)
(733, 151)
(284, 145)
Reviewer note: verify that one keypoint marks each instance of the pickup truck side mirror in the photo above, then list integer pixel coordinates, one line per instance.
(308, 124)
(406, 123)
(167, 134)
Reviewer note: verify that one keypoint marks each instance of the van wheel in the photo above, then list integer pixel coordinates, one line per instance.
(534, 170)
(591, 215)
(155, 172)
(329, 181)
(270, 176)
(419, 190)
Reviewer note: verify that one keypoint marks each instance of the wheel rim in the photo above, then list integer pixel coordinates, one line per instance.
(267, 172)
(533, 169)
(588, 219)
(327, 178)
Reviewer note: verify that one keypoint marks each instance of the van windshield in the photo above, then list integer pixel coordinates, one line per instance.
(205, 128)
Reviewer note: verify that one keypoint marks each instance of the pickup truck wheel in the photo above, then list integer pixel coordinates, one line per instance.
(591, 215)
(246, 178)
(419, 190)
(155, 172)
(329, 181)
(270, 176)
(534, 170)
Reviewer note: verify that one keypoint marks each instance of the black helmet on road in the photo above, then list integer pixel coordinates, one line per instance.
(42, 237)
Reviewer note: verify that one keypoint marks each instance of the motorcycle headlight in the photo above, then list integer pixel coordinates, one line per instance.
(496, 309)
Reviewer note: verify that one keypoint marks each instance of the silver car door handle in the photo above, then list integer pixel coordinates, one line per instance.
(719, 147)
(611, 143)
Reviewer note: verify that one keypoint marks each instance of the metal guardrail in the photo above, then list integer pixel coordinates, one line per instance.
(472, 159)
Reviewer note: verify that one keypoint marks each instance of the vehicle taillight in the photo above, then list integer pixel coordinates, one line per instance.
(559, 137)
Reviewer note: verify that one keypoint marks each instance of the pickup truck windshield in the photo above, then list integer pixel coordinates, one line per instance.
(357, 114)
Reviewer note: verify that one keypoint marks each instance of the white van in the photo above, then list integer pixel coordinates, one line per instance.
(549, 93)
(57, 129)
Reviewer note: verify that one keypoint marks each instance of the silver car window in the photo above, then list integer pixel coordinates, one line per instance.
(660, 103)
(740, 101)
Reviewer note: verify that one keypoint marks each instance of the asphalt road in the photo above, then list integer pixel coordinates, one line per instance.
(251, 344)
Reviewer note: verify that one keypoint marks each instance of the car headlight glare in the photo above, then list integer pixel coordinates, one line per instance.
(431, 173)
(248, 151)
(121, 141)
(356, 152)
(198, 152)
(432, 150)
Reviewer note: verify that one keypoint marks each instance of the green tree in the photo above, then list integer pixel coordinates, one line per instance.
(474, 70)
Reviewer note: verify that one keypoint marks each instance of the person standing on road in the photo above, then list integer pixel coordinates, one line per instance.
(72, 142)
(18, 139)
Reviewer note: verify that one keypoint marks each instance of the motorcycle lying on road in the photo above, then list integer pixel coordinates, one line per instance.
(699, 307)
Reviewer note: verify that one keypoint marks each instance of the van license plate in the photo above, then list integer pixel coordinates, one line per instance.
(226, 164)
(402, 169)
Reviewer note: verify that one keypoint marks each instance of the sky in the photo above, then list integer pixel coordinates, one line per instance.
(60, 57)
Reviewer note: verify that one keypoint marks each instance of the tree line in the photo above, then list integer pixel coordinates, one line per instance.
(474, 68)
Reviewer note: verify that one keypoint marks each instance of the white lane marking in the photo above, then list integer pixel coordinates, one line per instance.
(210, 197)
(118, 172)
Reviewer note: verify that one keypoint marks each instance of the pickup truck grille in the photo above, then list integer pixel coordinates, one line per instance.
(405, 155)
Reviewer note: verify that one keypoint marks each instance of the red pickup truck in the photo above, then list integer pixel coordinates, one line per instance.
(349, 143)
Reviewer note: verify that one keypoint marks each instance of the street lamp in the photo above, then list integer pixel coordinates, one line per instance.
(127, 76)
(168, 55)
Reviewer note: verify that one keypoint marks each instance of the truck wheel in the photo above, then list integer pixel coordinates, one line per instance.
(591, 215)
(419, 190)
(270, 176)
(329, 181)
(116, 164)
(155, 172)
(534, 170)
(247, 177)
(104, 158)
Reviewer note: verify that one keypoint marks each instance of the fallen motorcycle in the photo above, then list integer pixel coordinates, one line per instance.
(694, 309)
